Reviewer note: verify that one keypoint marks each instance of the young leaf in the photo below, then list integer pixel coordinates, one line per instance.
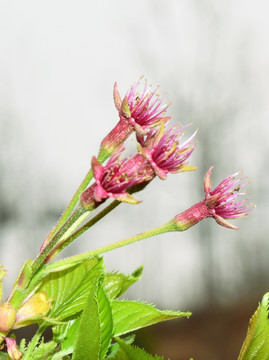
(106, 321)
(256, 344)
(70, 287)
(115, 347)
(132, 315)
(129, 352)
(88, 340)
(116, 284)
(66, 335)
(44, 350)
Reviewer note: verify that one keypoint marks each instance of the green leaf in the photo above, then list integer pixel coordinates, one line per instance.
(67, 334)
(116, 284)
(44, 351)
(132, 315)
(22, 346)
(106, 321)
(256, 344)
(115, 347)
(70, 287)
(98, 318)
(3, 356)
(88, 340)
(129, 352)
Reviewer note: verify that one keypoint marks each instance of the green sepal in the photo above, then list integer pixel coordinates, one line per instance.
(256, 344)
(22, 281)
(130, 352)
(132, 315)
(125, 110)
(115, 284)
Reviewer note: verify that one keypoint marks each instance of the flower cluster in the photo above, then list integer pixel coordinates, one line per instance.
(160, 149)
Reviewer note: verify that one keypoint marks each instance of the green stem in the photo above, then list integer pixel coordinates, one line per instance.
(72, 204)
(67, 228)
(147, 234)
(67, 241)
(37, 268)
(101, 158)
(168, 227)
(29, 352)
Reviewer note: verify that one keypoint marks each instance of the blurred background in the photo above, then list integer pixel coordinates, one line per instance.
(58, 63)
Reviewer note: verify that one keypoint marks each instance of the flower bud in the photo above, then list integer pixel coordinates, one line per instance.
(33, 309)
(12, 349)
(7, 317)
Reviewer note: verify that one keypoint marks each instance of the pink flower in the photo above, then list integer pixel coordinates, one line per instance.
(137, 112)
(221, 203)
(164, 152)
(115, 178)
(143, 110)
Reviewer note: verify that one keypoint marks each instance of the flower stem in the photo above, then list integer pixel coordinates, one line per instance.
(71, 205)
(168, 227)
(147, 234)
(66, 229)
(68, 240)
(101, 158)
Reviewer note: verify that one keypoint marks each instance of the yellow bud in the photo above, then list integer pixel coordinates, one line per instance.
(7, 317)
(33, 309)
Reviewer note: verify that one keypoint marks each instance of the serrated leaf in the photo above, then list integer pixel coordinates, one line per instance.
(256, 344)
(132, 315)
(70, 336)
(106, 321)
(60, 331)
(115, 348)
(70, 287)
(88, 340)
(115, 284)
(69, 332)
(22, 346)
(44, 351)
(130, 352)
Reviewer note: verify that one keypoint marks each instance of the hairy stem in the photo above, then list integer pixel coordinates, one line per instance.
(67, 241)
(66, 229)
